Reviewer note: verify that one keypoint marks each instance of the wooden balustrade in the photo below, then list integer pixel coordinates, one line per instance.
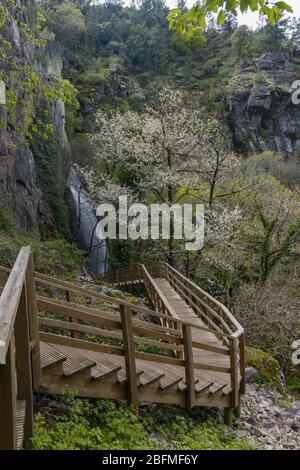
(27, 292)
(218, 317)
(131, 333)
(19, 352)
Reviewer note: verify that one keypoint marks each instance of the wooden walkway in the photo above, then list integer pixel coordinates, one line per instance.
(186, 313)
(57, 336)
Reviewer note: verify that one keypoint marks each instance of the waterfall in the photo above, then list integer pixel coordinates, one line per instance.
(83, 223)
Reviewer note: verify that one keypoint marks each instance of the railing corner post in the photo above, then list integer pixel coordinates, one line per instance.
(242, 363)
(189, 366)
(234, 376)
(129, 351)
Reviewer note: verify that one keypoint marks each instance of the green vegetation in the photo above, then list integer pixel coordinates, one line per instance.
(187, 21)
(26, 89)
(49, 157)
(73, 424)
(124, 57)
(111, 51)
(267, 366)
(56, 256)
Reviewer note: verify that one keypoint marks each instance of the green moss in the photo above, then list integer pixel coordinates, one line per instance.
(267, 366)
(293, 380)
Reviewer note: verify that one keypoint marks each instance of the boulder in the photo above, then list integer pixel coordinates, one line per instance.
(252, 375)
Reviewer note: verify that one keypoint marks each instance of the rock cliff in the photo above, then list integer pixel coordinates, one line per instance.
(19, 187)
(262, 115)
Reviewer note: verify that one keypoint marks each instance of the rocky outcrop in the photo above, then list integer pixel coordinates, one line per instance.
(262, 115)
(19, 188)
(268, 423)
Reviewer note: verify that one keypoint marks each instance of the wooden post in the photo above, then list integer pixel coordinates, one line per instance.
(189, 367)
(242, 363)
(70, 298)
(33, 324)
(234, 370)
(233, 381)
(228, 416)
(223, 328)
(23, 363)
(8, 401)
(129, 351)
(3, 278)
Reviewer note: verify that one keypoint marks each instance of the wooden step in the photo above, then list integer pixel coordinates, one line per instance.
(169, 382)
(104, 369)
(227, 390)
(150, 377)
(20, 422)
(75, 362)
(50, 357)
(217, 388)
(182, 386)
(203, 386)
(122, 378)
(74, 366)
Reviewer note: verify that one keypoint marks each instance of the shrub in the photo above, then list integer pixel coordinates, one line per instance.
(56, 257)
(73, 424)
(266, 365)
(269, 314)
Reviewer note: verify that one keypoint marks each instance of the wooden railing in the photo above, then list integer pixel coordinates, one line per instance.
(131, 328)
(215, 315)
(19, 351)
(108, 324)
(123, 275)
(160, 302)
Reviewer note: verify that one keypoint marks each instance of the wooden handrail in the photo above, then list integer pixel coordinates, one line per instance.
(49, 281)
(19, 351)
(147, 278)
(235, 340)
(225, 311)
(10, 299)
(20, 334)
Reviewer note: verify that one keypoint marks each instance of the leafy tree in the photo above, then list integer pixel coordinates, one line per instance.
(274, 38)
(274, 246)
(242, 41)
(68, 23)
(185, 22)
(184, 145)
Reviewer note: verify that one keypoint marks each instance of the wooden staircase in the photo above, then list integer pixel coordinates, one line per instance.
(103, 347)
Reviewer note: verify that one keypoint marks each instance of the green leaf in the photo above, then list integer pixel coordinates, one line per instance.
(284, 6)
(221, 17)
(254, 5)
(230, 5)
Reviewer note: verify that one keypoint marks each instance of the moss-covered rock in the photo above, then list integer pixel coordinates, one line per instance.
(267, 366)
